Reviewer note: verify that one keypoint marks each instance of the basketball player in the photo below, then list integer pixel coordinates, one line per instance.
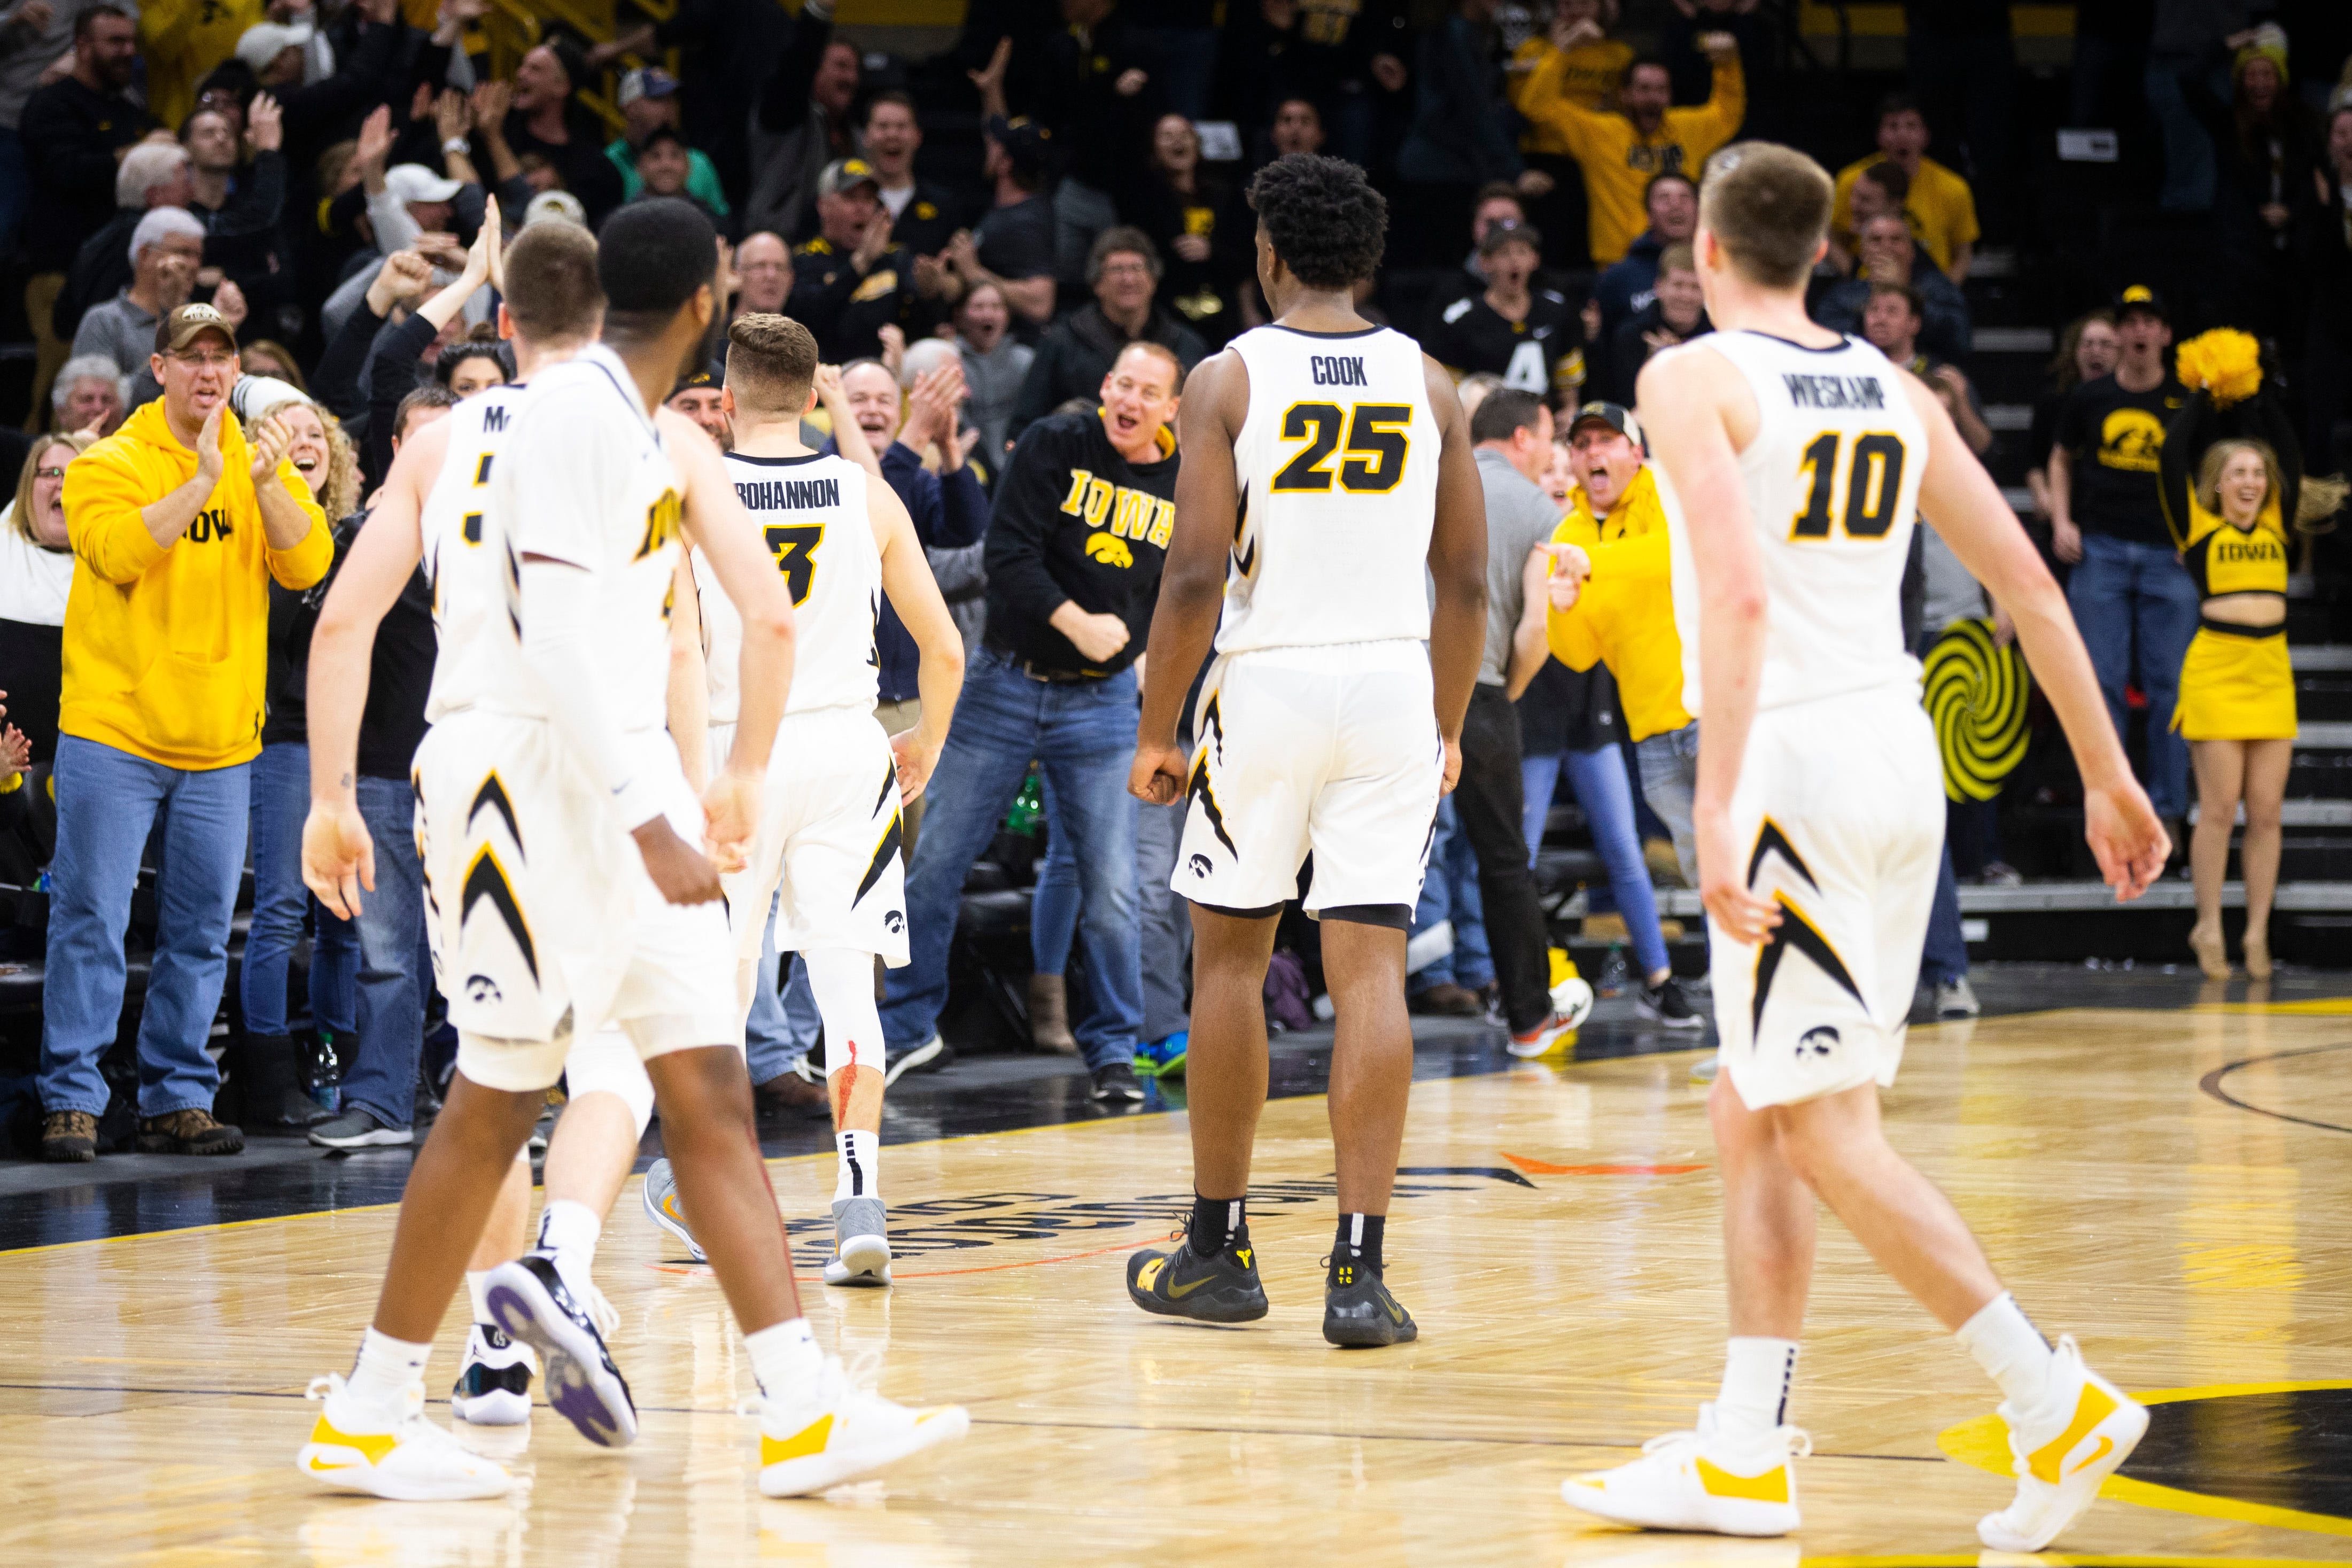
(1327, 464)
(828, 836)
(551, 819)
(1790, 462)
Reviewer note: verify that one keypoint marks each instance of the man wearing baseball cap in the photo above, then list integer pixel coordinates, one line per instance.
(649, 102)
(851, 279)
(179, 522)
(2133, 600)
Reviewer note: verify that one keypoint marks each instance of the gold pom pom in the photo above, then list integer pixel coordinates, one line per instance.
(2224, 362)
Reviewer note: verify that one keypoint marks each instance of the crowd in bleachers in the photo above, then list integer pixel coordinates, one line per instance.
(974, 238)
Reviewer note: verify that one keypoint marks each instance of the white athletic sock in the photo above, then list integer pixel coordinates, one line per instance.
(386, 1368)
(785, 1358)
(2012, 1351)
(1756, 1375)
(859, 1173)
(478, 1286)
(570, 1230)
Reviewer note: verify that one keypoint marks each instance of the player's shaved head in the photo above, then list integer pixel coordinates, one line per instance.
(552, 291)
(652, 259)
(1769, 208)
(771, 363)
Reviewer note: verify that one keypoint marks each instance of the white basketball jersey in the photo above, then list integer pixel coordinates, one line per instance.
(584, 481)
(811, 514)
(464, 561)
(1337, 469)
(1832, 480)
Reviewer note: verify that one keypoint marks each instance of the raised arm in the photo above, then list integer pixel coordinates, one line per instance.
(2267, 421)
(2185, 441)
(914, 594)
(1457, 564)
(1960, 500)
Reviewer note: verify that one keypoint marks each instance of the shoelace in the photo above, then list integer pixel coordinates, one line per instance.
(606, 1318)
(410, 1425)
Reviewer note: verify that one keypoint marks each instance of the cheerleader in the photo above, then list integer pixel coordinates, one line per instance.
(2236, 706)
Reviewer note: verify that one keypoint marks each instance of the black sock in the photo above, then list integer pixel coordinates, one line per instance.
(1358, 1244)
(1217, 1224)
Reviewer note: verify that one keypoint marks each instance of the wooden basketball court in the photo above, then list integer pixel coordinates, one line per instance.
(2169, 1185)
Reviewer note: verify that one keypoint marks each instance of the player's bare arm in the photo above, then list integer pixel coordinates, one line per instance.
(914, 593)
(688, 697)
(338, 857)
(1192, 577)
(1457, 562)
(1958, 499)
(717, 524)
(1699, 412)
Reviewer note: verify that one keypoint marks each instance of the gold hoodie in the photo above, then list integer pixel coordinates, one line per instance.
(1625, 615)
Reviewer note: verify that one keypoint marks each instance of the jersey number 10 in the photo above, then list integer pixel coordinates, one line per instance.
(1874, 481)
(1375, 459)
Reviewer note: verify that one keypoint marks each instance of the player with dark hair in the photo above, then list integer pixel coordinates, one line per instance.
(1327, 469)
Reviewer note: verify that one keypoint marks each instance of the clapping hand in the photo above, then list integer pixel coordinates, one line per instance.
(16, 751)
(271, 438)
(264, 124)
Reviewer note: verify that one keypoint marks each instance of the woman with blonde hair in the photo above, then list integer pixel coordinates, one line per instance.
(36, 569)
(2236, 707)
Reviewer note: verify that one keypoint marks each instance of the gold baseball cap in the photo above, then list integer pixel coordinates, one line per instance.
(184, 325)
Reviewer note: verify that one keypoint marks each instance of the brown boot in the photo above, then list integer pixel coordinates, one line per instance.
(788, 1095)
(1049, 1015)
(68, 1137)
(189, 1132)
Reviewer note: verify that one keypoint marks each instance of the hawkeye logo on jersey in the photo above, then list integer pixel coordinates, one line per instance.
(1337, 370)
(788, 495)
(1128, 513)
(1835, 391)
(661, 524)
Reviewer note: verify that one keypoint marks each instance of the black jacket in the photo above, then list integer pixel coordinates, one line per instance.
(70, 134)
(1078, 351)
(1076, 521)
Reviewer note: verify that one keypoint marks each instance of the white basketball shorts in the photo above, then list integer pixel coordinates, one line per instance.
(1840, 811)
(1328, 749)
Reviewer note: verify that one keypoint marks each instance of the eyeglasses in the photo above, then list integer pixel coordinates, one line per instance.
(49, 473)
(207, 361)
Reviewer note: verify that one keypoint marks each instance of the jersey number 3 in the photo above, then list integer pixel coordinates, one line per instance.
(1874, 481)
(794, 547)
(1376, 452)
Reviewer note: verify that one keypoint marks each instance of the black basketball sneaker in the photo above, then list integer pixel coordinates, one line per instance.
(1181, 1283)
(1359, 1311)
(493, 1385)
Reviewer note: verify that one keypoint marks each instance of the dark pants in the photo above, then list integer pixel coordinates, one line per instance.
(1488, 803)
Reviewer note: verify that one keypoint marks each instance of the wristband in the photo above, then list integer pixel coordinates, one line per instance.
(458, 145)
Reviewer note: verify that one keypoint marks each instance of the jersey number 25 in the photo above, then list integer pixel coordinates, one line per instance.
(1376, 452)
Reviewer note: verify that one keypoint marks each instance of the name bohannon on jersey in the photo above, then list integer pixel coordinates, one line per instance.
(810, 513)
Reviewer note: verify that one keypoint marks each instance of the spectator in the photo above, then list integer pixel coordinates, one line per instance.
(264, 357)
(1499, 203)
(1011, 246)
(426, 336)
(1644, 136)
(1879, 192)
(2086, 351)
(240, 204)
(178, 523)
(379, 1084)
(763, 275)
(152, 176)
(1069, 604)
(1460, 138)
(1337, 63)
(90, 394)
(923, 217)
(1528, 335)
(994, 365)
(32, 37)
(1590, 77)
(665, 167)
(369, 72)
(853, 279)
(546, 120)
(1099, 100)
(36, 569)
(1937, 202)
(1675, 314)
(164, 251)
(1891, 322)
(1459, 982)
(803, 123)
(2267, 159)
(181, 40)
(1076, 355)
(1628, 286)
(2327, 245)
(75, 132)
(648, 101)
(1298, 127)
(1197, 222)
(280, 792)
(701, 399)
(1889, 255)
(2188, 53)
(409, 207)
(2131, 597)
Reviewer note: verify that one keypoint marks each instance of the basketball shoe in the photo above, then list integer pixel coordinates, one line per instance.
(1181, 1283)
(861, 1243)
(2083, 1431)
(1359, 1311)
(391, 1450)
(533, 1302)
(493, 1387)
(837, 1432)
(660, 1192)
(1700, 1480)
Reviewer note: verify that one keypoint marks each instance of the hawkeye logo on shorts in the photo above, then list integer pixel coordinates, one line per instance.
(1128, 513)
(483, 991)
(1199, 864)
(1110, 551)
(1817, 1042)
(894, 922)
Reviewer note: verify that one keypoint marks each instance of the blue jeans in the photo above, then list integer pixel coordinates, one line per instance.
(1669, 780)
(108, 804)
(281, 799)
(2136, 610)
(1945, 958)
(1450, 892)
(1053, 906)
(1082, 734)
(1602, 788)
(381, 1078)
(776, 1035)
(1167, 934)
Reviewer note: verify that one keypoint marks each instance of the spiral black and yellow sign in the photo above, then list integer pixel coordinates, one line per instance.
(1976, 695)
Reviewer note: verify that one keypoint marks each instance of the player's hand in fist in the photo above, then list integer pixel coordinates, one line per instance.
(338, 857)
(1157, 773)
(680, 872)
(914, 760)
(731, 814)
(1453, 765)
